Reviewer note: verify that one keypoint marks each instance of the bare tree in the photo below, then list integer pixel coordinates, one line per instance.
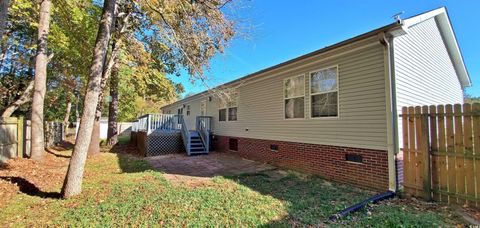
(40, 84)
(73, 181)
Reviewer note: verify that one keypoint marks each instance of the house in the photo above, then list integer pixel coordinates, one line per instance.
(334, 112)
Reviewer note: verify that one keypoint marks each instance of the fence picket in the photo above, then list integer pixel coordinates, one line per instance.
(443, 172)
(406, 149)
(418, 150)
(476, 146)
(411, 153)
(459, 153)
(424, 147)
(435, 157)
(450, 152)
(468, 149)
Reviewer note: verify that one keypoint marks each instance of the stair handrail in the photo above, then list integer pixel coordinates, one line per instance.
(185, 133)
(203, 128)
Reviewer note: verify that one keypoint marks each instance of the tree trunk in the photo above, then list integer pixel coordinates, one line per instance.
(94, 147)
(66, 119)
(73, 181)
(112, 134)
(3, 17)
(22, 100)
(40, 86)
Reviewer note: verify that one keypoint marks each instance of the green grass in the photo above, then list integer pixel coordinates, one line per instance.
(121, 190)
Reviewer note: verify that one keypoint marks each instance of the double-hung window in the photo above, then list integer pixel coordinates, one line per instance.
(294, 97)
(222, 114)
(324, 92)
(232, 107)
(229, 109)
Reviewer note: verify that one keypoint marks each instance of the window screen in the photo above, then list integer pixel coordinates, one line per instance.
(232, 114)
(324, 92)
(294, 90)
(222, 114)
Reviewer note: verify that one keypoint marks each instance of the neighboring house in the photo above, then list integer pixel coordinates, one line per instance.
(334, 112)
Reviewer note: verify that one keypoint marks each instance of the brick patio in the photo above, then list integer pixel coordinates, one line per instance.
(202, 167)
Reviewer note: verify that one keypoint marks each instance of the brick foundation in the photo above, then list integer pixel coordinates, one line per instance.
(323, 160)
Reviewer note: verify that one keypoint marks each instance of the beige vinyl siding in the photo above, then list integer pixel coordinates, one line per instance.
(424, 72)
(362, 116)
(194, 111)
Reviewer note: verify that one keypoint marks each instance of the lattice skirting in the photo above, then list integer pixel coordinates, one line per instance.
(164, 142)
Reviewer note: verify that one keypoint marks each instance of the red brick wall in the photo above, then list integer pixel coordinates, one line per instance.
(326, 161)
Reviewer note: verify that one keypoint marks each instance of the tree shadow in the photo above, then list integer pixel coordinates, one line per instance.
(29, 188)
(129, 159)
(54, 153)
(64, 146)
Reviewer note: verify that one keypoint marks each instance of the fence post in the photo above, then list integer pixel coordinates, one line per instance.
(20, 139)
(425, 147)
(148, 123)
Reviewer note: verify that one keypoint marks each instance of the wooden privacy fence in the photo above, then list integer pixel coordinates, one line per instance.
(441, 146)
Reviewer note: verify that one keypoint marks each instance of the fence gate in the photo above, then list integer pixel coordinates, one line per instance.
(11, 138)
(441, 146)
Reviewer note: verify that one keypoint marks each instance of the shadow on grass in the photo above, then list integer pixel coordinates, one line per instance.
(30, 189)
(129, 160)
(310, 200)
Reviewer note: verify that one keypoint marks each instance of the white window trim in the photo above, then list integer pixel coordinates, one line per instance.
(284, 98)
(331, 91)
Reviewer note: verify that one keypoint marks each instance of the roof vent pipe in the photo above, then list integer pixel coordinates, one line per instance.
(397, 17)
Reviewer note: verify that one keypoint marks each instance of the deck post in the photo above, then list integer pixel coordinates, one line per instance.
(148, 123)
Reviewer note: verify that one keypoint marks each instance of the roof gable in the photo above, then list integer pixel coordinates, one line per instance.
(445, 27)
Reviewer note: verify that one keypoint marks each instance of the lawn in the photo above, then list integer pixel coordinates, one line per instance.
(122, 190)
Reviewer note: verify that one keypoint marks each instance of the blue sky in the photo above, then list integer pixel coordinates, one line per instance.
(281, 30)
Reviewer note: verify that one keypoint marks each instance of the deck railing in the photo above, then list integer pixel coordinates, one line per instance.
(203, 127)
(151, 122)
(185, 133)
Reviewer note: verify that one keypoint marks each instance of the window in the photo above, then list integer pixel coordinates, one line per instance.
(229, 107)
(294, 90)
(188, 110)
(324, 92)
(233, 144)
(222, 114)
(232, 114)
(232, 106)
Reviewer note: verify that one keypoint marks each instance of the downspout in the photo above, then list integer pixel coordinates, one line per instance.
(392, 123)
(391, 108)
